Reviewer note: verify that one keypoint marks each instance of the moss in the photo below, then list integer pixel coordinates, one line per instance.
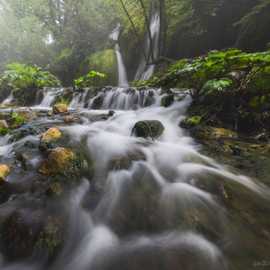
(4, 131)
(51, 237)
(192, 121)
(17, 119)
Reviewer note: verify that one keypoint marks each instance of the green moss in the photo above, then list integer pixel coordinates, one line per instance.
(4, 131)
(17, 120)
(192, 121)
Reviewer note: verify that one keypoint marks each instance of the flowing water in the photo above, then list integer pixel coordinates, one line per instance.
(163, 209)
(147, 67)
(122, 74)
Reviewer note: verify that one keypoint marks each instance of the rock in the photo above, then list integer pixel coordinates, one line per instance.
(4, 171)
(124, 162)
(211, 133)
(97, 102)
(69, 119)
(262, 137)
(23, 131)
(50, 135)
(148, 129)
(167, 100)
(3, 124)
(26, 230)
(190, 122)
(59, 161)
(60, 108)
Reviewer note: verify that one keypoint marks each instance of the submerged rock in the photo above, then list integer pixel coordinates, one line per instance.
(148, 129)
(26, 230)
(4, 171)
(124, 162)
(60, 108)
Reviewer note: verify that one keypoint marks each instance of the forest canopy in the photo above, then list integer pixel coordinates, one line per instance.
(64, 36)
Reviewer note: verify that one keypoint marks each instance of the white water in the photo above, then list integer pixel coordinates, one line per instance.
(167, 180)
(122, 73)
(145, 69)
(8, 100)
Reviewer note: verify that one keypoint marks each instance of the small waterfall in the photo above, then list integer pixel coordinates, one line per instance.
(122, 74)
(8, 100)
(146, 70)
(125, 99)
(50, 95)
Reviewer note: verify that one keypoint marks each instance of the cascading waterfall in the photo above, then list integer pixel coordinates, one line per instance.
(8, 100)
(145, 69)
(122, 74)
(157, 210)
(50, 95)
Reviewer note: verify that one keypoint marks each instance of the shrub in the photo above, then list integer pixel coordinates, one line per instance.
(92, 78)
(21, 76)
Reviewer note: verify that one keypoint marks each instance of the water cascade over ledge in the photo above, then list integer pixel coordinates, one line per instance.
(151, 202)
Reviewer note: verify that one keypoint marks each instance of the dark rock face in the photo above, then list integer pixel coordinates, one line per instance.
(148, 129)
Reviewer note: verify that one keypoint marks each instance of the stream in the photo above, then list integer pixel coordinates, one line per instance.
(165, 208)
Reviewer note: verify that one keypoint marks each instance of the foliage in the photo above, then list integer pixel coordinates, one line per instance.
(4, 131)
(215, 85)
(21, 76)
(216, 65)
(17, 120)
(92, 78)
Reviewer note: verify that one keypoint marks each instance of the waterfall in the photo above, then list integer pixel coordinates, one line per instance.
(122, 74)
(146, 70)
(8, 100)
(49, 96)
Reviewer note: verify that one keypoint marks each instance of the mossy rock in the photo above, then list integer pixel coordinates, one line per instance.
(59, 161)
(52, 134)
(167, 100)
(4, 171)
(60, 108)
(65, 165)
(148, 129)
(190, 122)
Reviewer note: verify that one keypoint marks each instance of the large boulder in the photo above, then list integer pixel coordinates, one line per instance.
(148, 129)
(59, 161)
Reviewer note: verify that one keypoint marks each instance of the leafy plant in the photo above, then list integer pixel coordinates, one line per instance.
(21, 76)
(17, 120)
(92, 78)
